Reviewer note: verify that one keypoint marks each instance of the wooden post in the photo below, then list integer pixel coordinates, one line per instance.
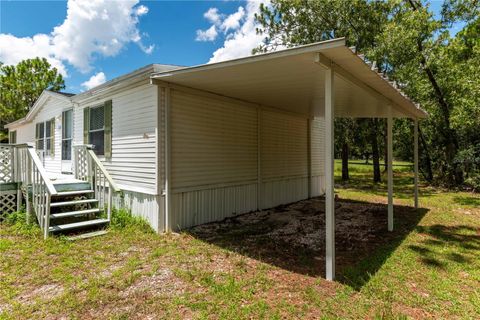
(390, 168)
(46, 224)
(415, 160)
(329, 179)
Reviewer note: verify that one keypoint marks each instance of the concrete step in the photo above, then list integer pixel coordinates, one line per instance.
(82, 224)
(73, 213)
(72, 203)
(88, 235)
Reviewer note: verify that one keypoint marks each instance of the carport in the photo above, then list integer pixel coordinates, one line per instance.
(321, 80)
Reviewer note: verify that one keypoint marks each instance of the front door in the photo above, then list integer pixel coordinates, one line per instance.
(67, 124)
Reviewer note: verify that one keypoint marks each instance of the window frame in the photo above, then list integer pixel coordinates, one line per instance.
(102, 153)
(12, 135)
(42, 136)
(63, 134)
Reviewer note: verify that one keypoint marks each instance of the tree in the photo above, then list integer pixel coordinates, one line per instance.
(344, 132)
(414, 47)
(21, 85)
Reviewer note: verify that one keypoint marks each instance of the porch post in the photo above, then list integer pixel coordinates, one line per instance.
(415, 160)
(329, 180)
(390, 168)
(167, 159)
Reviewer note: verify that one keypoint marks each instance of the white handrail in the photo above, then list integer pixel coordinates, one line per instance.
(98, 163)
(89, 168)
(42, 172)
(32, 173)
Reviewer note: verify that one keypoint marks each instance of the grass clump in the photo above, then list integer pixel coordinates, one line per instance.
(17, 222)
(124, 219)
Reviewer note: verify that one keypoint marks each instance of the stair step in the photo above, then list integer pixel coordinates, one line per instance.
(72, 186)
(88, 235)
(73, 193)
(75, 225)
(73, 213)
(73, 202)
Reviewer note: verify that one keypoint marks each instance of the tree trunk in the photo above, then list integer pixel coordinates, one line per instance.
(448, 133)
(428, 174)
(345, 175)
(375, 152)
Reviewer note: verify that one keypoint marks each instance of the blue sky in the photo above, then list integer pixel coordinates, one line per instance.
(170, 32)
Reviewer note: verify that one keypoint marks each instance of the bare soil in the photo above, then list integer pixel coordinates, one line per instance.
(293, 236)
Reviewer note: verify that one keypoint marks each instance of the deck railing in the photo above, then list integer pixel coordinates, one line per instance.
(38, 188)
(88, 167)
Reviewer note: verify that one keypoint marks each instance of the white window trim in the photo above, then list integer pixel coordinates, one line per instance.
(97, 130)
(63, 138)
(45, 150)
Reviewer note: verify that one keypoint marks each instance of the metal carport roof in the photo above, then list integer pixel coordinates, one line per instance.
(293, 80)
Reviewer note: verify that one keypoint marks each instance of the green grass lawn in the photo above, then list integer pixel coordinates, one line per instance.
(433, 271)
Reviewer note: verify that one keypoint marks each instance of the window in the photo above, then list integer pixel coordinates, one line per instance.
(12, 137)
(96, 131)
(40, 136)
(44, 132)
(67, 135)
(97, 128)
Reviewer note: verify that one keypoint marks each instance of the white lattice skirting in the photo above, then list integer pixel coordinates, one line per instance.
(8, 203)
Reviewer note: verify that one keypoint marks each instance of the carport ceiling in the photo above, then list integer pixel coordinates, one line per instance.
(293, 80)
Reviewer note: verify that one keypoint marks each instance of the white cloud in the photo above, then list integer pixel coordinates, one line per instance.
(244, 38)
(232, 22)
(13, 50)
(212, 15)
(208, 35)
(90, 29)
(95, 80)
(141, 10)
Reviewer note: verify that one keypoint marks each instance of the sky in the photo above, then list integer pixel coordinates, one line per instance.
(93, 41)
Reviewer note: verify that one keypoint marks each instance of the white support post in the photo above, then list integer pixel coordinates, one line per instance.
(390, 168)
(168, 187)
(329, 179)
(415, 160)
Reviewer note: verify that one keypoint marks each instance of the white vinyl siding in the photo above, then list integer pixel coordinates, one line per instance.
(221, 148)
(284, 158)
(25, 133)
(52, 109)
(213, 141)
(214, 158)
(134, 122)
(317, 156)
(146, 206)
(283, 145)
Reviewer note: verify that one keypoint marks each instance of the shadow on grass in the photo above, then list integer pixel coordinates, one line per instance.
(402, 186)
(467, 201)
(292, 237)
(446, 244)
(361, 271)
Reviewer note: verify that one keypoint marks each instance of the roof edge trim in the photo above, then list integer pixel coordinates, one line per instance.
(312, 47)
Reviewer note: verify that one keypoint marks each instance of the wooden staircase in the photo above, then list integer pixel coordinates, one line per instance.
(75, 208)
(82, 202)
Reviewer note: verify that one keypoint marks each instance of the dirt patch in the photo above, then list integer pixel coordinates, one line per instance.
(45, 292)
(4, 308)
(293, 236)
(162, 282)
